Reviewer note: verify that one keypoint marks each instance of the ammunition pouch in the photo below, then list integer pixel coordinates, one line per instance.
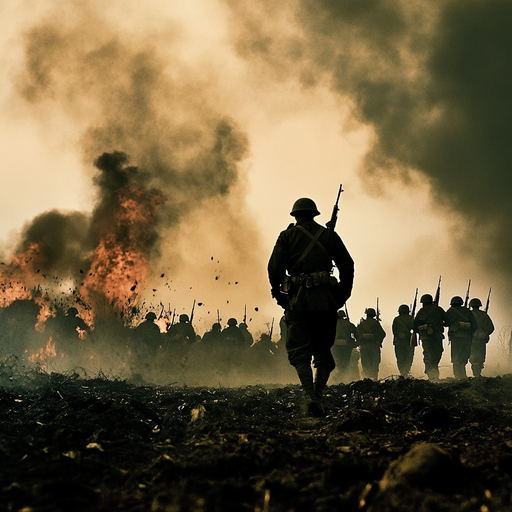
(464, 326)
(367, 337)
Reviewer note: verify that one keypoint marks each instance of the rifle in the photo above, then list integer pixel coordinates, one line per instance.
(218, 317)
(245, 313)
(335, 210)
(488, 299)
(192, 312)
(173, 316)
(438, 292)
(413, 342)
(271, 330)
(467, 295)
(378, 312)
(346, 312)
(161, 312)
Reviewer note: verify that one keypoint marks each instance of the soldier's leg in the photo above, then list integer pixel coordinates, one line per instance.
(477, 357)
(325, 332)
(429, 360)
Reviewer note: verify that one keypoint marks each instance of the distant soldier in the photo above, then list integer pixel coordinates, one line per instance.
(430, 322)
(370, 336)
(460, 333)
(403, 328)
(485, 328)
(182, 334)
(232, 336)
(344, 344)
(147, 336)
(248, 339)
(213, 336)
(300, 275)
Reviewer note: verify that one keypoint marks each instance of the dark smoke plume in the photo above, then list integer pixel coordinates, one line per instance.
(129, 92)
(432, 81)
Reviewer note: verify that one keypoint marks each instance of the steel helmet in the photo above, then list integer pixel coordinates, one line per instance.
(304, 204)
(151, 316)
(371, 312)
(74, 311)
(475, 303)
(183, 318)
(404, 308)
(232, 321)
(426, 299)
(456, 301)
(341, 313)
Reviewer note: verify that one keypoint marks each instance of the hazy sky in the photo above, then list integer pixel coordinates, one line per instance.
(403, 105)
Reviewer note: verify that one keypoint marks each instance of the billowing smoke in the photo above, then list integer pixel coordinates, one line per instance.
(127, 95)
(432, 81)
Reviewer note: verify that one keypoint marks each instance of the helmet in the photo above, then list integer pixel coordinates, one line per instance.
(232, 321)
(74, 311)
(371, 312)
(475, 303)
(404, 308)
(150, 316)
(456, 301)
(426, 299)
(216, 327)
(243, 325)
(183, 318)
(341, 313)
(304, 204)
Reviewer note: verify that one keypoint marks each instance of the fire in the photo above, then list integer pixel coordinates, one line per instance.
(44, 353)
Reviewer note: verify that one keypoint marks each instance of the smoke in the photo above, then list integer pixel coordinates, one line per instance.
(127, 95)
(431, 81)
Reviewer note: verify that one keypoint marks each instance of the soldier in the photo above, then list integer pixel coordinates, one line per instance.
(248, 339)
(299, 272)
(213, 336)
(370, 336)
(344, 343)
(460, 333)
(485, 328)
(430, 322)
(232, 336)
(147, 335)
(182, 333)
(403, 329)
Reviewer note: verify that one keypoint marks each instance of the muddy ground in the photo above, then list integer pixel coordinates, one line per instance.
(74, 444)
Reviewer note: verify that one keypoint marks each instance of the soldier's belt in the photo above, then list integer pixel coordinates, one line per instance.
(320, 278)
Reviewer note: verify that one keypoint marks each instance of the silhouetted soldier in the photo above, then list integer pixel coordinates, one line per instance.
(248, 339)
(212, 338)
(232, 336)
(147, 336)
(481, 336)
(430, 322)
(370, 336)
(182, 334)
(460, 333)
(299, 271)
(403, 328)
(344, 344)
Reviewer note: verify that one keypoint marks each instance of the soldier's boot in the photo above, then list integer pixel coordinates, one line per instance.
(321, 377)
(477, 371)
(314, 406)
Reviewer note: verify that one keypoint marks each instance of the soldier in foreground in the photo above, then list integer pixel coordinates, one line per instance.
(430, 323)
(344, 343)
(460, 333)
(485, 328)
(370, 336)
(300, 277)
(403, 334)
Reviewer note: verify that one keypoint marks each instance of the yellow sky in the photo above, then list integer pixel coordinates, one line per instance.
(298, 147)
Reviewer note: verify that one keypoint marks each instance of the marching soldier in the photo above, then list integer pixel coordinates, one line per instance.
(299, 272)
(430, 323)
(460, 333)
(345, 342)
(403, 330)
(485, 328)
(370, 336)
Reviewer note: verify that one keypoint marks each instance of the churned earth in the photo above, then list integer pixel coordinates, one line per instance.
(69, 443)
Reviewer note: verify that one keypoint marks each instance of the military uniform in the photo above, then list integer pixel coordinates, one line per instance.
(403, 329)
(344, 344)
(430, 322)
(370, 336)
(481, 336)
(299, 272)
